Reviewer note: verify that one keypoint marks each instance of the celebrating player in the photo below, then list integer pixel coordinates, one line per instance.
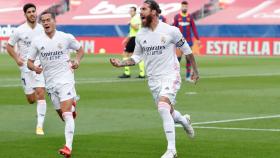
(33, 84)
(155, 44)
(184, 21)
(52, 48)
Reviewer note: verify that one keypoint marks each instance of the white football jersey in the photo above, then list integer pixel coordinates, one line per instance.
(157, 49)
(54, 57)
(23, 36)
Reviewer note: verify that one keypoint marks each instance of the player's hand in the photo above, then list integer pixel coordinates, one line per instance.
(75, 64)
(195, 77)
(38, 69)
(19, 61)
(115, 62)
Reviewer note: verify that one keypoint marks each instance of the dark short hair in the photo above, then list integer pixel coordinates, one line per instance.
(153, 5)
(184, 3)
(27, 6)
(134, 8)
(48, 12)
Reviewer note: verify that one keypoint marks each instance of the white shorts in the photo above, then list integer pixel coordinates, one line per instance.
(166, 86)
(31, 80)
(61, 93)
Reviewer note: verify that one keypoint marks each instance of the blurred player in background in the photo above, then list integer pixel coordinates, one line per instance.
(162, 18)
(33, 84)
(184, 21)
(155, 45)
(52, 48)
(129, 42)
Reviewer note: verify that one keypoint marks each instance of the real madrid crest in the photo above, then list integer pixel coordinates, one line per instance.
(163, 39)
(59, 46)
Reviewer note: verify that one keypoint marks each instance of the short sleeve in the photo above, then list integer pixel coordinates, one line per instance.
(14, 38)
(73, 43)
(180, 42)
(138, 52)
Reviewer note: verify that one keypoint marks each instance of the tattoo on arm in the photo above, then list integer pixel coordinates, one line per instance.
(128, 62)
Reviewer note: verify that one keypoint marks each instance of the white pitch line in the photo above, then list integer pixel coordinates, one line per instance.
(238, 129)
(84, 81)
(104, 80)
(236, 120)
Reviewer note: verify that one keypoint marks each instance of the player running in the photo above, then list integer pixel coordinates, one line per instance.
(52, 48)
(155, 44)
(33, 84)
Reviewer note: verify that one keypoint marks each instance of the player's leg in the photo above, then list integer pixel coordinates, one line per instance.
(165, 108)
(188, 70)
(185, 121)
(141, 70)
(129, 48)
(26, 79)
(41, 109)
(67, 94)
(126, 73)
(56, 103)
(27, 87)
(66, 107)
(39, 84)
(188, 66)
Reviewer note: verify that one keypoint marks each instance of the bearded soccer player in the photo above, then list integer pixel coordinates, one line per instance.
(184, 21)
(52, 48)
(33, 84)
(155, 45)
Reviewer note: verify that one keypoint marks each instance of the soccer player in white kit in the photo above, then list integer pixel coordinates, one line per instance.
(33, 84)
(52, 48)
(155, 44)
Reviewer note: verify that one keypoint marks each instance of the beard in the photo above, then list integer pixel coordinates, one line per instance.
(184, 11)
(31, 21)
(148, 22)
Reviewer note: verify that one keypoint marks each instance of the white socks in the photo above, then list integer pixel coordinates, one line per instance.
(69, 128)
(178, 118)
(168, 124)
(41, 112)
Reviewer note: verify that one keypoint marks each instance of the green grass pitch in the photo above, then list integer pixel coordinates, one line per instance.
(118, 118)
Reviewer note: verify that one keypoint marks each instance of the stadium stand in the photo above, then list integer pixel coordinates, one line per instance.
(111, 12)
(247, 12)
(11, 11)
(95, 22)
(243, 28)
